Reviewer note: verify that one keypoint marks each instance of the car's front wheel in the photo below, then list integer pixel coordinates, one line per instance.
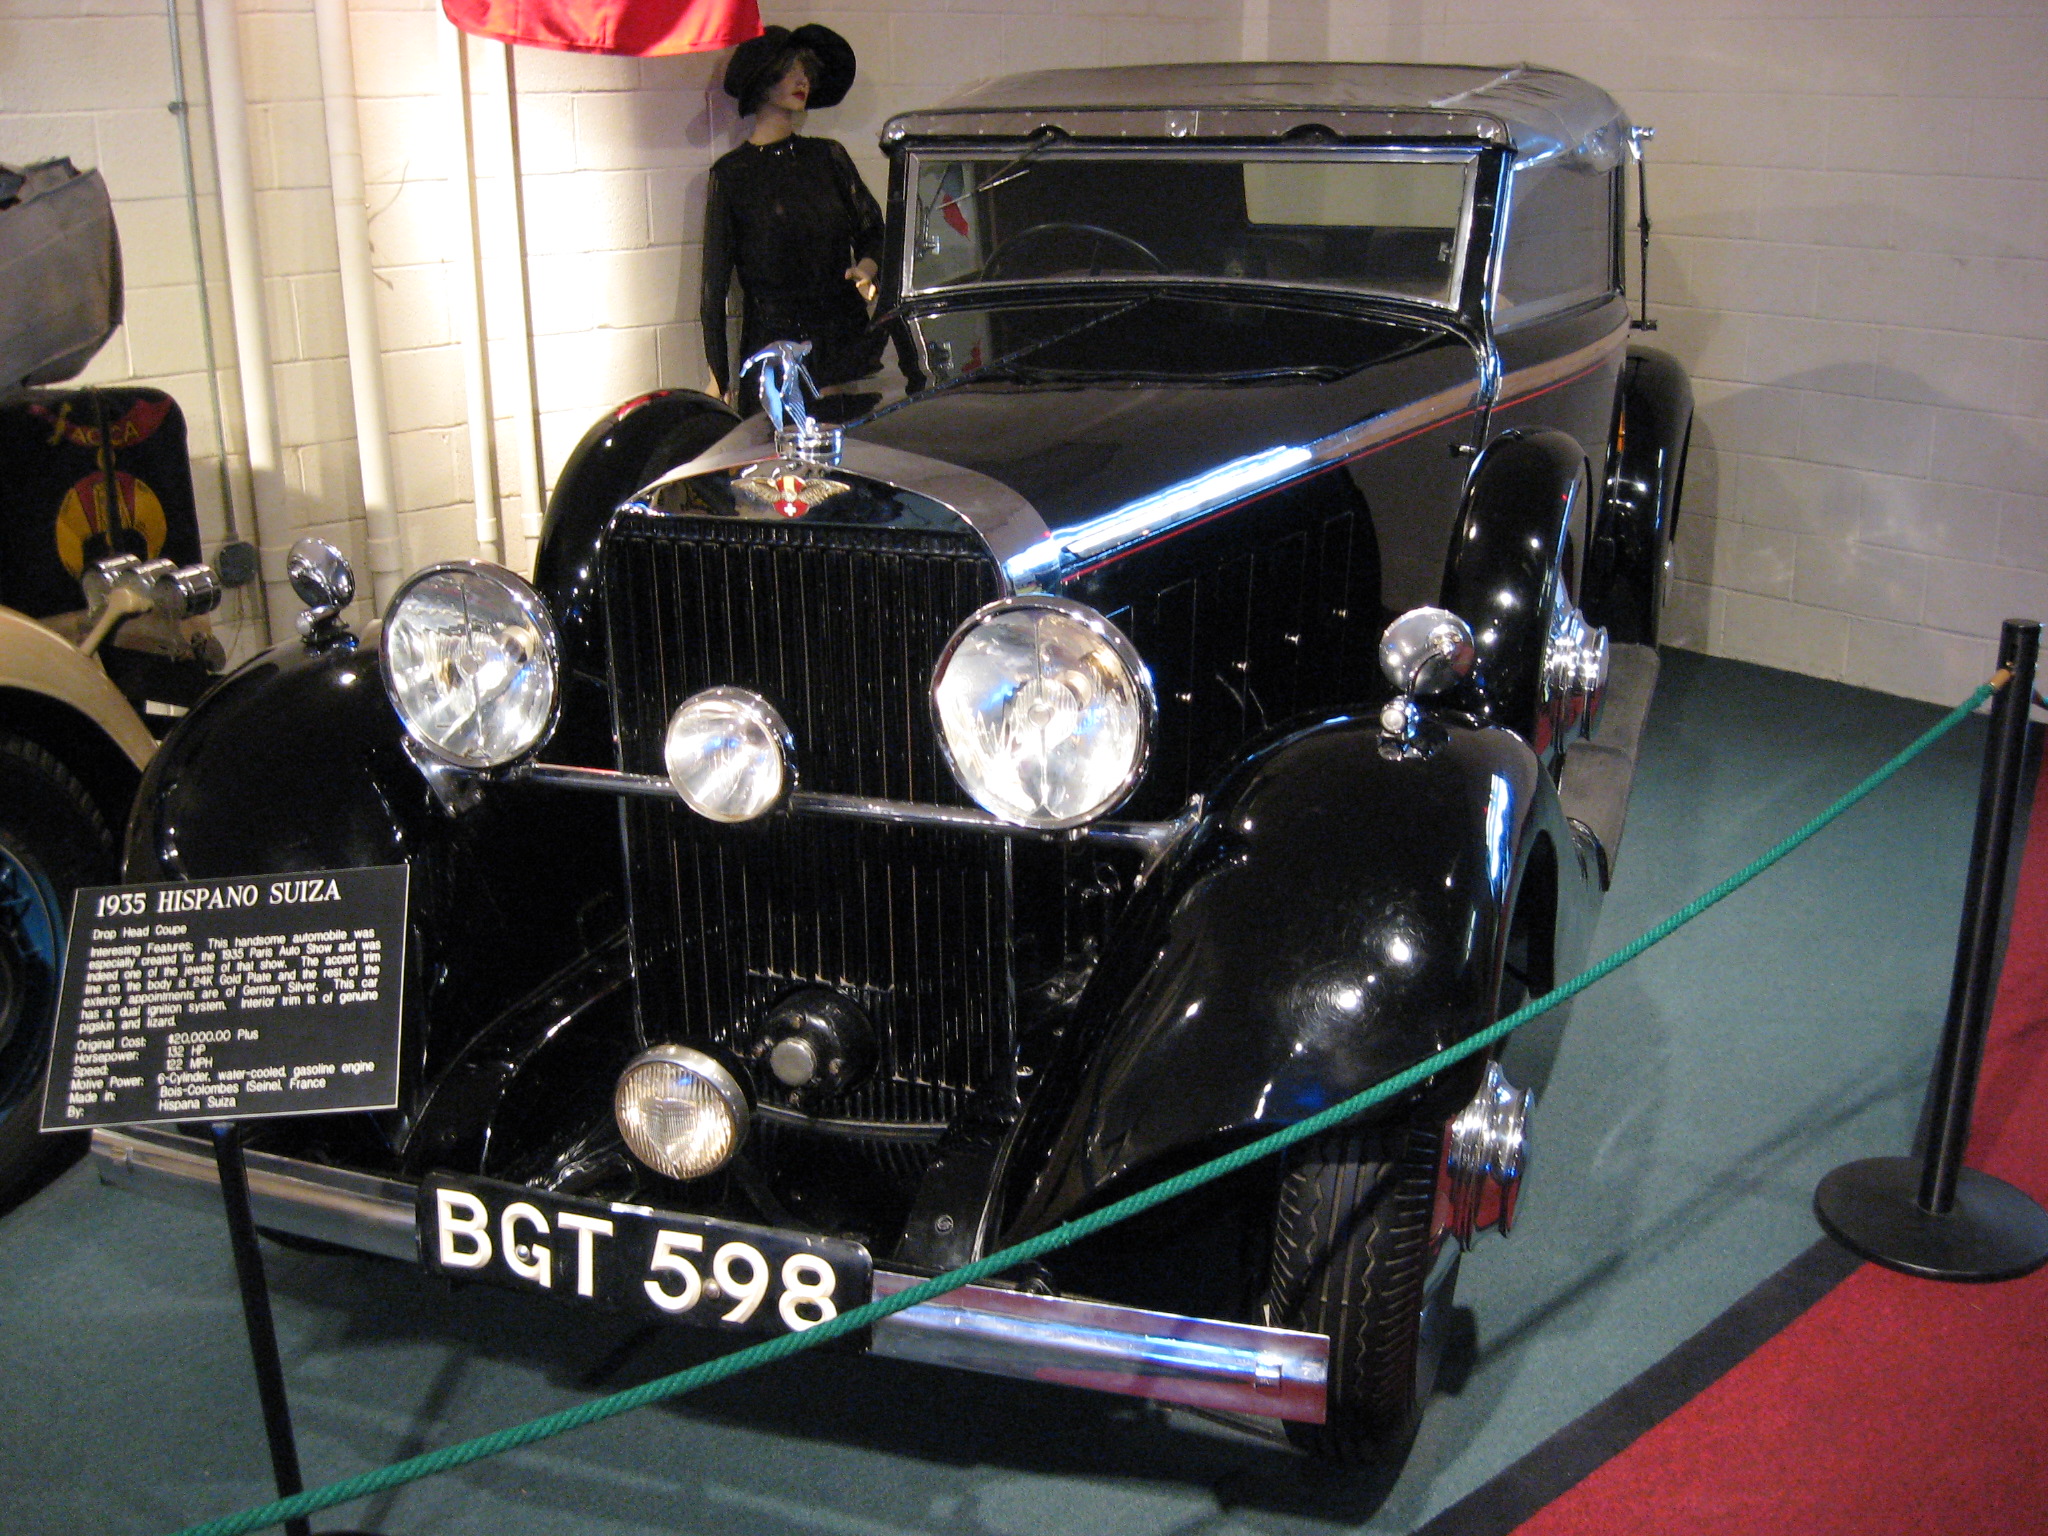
(52, 840)
(1351, 1259)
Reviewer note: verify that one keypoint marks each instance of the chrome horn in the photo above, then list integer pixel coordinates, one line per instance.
(1485, 1150)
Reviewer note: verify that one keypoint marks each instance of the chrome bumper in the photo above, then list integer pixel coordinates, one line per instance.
(1222, 1367)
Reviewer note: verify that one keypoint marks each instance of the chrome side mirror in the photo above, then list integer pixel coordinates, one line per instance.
(1427, 652)
(324, 581)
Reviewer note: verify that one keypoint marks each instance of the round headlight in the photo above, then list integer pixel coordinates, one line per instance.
(1045, 711)
(469, 659)
(679, 1111)
(727, 752)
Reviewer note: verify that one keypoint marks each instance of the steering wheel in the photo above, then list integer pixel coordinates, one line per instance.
(1097, 238)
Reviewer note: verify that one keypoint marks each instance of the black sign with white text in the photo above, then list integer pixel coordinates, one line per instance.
(230, 1000)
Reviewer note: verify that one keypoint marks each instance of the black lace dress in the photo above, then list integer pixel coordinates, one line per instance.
(790, 218)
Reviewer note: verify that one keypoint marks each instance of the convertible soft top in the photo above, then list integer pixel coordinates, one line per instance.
(1542, 113)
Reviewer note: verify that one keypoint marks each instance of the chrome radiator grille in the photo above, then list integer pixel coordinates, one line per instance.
(838, 627)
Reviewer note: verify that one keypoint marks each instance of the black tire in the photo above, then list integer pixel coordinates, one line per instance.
(1350, 1259)
(52, 840)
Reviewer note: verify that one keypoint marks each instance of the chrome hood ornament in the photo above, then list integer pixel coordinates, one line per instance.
(784, 383)
(791, 483)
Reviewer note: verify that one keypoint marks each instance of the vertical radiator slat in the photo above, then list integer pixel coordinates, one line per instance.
(839, 628)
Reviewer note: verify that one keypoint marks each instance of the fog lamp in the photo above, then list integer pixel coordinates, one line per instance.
(680, 1112)
(727, 753)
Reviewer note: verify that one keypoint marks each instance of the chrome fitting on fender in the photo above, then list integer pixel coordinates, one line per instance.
(1486, 1147)
(1574, 670)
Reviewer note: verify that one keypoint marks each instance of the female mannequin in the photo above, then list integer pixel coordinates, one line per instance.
(791, 215)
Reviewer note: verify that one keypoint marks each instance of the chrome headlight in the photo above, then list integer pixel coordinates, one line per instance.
(679, 1111)
(727, 753)
(1044, 710)
(470, 661)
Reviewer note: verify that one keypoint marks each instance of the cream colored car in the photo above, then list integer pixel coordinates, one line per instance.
(72, 748)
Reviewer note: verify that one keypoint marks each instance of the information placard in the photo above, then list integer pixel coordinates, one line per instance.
(230, 999)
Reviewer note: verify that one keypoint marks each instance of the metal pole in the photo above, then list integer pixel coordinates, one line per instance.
(1970, 993)
(1932, 1216)
(277, 1413)
(221, 29)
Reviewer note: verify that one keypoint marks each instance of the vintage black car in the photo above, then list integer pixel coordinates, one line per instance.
(1205, 682)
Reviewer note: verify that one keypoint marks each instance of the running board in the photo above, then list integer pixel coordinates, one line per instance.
(1216, 1366)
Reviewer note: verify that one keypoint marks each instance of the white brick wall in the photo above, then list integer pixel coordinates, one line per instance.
(1852, 257)
(614, 153)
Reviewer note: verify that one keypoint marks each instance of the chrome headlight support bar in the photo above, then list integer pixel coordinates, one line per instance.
(1154, 837)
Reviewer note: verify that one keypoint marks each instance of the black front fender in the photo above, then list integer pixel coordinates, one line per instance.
(296, 763)
(1339, 914)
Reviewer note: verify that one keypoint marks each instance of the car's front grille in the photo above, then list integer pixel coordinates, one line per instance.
(838, 627)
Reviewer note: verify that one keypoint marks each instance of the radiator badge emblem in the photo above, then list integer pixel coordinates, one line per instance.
(784, 489)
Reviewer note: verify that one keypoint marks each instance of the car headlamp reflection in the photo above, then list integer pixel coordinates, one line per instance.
(469, 657)
(1044, 710)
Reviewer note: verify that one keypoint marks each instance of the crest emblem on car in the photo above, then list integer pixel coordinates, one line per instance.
(788, 494)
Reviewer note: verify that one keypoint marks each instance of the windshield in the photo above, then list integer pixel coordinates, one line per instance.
(1372, 221)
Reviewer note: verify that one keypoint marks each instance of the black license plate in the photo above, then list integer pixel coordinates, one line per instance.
(688, 1269)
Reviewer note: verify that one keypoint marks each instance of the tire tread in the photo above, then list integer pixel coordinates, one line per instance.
(1350, 1258)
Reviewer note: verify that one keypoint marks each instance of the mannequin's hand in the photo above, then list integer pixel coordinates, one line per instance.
(862, 275)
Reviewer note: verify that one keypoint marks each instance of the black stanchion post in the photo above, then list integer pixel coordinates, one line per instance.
(277, 1413)
(1935, 1217)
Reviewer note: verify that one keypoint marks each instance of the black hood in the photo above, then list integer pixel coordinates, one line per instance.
(1083, 407)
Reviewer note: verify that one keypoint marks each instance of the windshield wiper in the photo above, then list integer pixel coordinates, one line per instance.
(1045, 138)
(1038, 143)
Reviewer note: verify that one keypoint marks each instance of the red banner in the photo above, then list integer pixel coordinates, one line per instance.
(636, 28)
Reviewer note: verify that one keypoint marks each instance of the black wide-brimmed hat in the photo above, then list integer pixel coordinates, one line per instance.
(759, 62)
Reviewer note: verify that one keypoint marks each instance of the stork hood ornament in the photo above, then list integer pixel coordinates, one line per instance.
(784, 383)
(792, 482)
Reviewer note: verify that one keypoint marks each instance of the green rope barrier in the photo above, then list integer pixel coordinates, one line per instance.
(740, 1361)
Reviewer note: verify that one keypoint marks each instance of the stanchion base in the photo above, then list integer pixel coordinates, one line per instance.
(1994, 1231)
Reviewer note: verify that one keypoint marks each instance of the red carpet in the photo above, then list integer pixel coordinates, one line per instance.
(1894, 1404)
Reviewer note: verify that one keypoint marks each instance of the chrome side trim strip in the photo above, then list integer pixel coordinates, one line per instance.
(1228, 122)
(1153, 836)
(1223, 1367)
(1231, 483)
(1228, 484)
(1524, 382)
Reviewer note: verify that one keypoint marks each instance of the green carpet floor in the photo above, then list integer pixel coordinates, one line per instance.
(1695, 1099)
